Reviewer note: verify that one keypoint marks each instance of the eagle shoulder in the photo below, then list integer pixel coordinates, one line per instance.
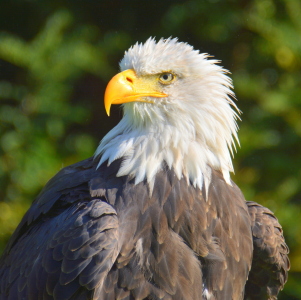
(270, 262)
(65, 244)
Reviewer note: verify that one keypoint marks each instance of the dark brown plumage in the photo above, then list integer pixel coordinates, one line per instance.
(91, 235)
(270, 259)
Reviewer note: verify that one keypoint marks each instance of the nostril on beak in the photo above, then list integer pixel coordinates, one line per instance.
(129, 79)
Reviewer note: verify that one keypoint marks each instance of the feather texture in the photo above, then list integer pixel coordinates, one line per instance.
(123, 243)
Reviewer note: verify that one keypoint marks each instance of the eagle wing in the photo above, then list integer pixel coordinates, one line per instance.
(270, 263)
(63, 253)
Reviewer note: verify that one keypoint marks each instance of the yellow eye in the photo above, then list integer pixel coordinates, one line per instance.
(166, 78)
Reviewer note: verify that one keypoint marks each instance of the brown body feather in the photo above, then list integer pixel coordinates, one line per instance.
(270, 259)
(92, 235)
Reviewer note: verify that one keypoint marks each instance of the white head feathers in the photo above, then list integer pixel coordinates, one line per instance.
(191, 130)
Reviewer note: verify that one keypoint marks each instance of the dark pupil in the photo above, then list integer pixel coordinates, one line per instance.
(166, 76)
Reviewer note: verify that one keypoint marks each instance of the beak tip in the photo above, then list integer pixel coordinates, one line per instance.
(107, 105)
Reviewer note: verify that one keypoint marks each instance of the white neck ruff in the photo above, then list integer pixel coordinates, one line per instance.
(146, 149)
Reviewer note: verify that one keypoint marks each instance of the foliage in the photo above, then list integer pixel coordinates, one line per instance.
(56, 57)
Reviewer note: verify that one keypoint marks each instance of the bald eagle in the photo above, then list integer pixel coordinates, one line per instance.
(154, 214)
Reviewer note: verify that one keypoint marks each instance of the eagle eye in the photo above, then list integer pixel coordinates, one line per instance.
(166, 78)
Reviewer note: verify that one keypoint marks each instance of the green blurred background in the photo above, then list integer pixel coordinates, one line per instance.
(57, 56)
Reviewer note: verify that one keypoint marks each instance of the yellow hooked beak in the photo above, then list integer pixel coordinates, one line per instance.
(127, 87)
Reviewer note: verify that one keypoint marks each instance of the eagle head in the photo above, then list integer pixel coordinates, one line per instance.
(178, 111)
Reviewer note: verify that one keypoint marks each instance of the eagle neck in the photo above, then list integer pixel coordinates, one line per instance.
(145, 150)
